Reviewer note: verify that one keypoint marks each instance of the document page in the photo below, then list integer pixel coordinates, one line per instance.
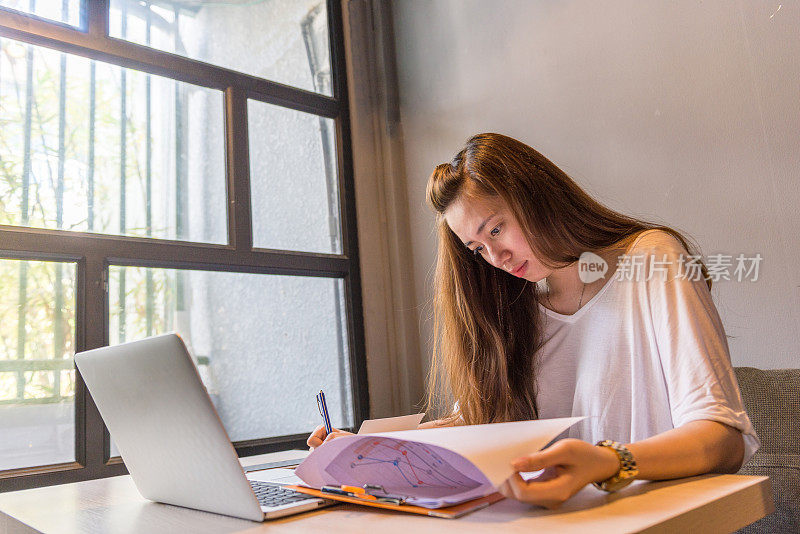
(391, 424)
(432, 467)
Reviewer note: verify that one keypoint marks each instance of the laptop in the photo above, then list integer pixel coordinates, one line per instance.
(171, 439)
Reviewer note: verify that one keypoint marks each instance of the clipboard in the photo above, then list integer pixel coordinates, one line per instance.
(449, 512)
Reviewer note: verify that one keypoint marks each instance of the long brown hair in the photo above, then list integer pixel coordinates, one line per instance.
(487, 325)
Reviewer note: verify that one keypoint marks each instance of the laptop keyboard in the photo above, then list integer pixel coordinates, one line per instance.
(272, 494)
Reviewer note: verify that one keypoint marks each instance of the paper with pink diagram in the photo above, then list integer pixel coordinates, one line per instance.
(433, 467)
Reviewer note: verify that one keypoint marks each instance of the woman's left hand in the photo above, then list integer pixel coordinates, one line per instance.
(569, 465)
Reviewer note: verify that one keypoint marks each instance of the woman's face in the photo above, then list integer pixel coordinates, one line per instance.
(487, 227)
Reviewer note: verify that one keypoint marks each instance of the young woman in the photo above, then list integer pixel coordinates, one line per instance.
(523, 333)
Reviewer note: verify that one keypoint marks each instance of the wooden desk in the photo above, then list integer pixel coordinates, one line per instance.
(707, 504)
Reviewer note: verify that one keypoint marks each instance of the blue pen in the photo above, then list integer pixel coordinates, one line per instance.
(323, 411)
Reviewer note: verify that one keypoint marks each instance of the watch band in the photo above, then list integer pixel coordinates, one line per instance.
(627, 467)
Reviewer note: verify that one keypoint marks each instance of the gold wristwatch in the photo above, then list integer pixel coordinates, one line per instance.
(627, 467)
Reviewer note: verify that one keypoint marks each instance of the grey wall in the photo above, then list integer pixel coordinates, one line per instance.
(685, 112)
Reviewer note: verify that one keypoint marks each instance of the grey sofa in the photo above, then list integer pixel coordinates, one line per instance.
(772, 400)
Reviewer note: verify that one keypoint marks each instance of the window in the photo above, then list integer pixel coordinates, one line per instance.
(184, 166)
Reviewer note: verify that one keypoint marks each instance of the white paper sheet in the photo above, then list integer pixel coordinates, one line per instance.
(391, 424)
(432, 467)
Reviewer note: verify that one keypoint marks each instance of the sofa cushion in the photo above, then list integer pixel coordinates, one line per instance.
(772, 400)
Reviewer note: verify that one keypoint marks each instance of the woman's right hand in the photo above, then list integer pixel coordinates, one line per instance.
(319, 436)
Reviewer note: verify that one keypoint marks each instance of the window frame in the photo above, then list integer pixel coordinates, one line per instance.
(93, 253)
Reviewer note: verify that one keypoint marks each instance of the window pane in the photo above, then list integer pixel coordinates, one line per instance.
(293, 178)
(58, 10)
(265, 344)
(281, 40)
(92, 147)
(37, 377)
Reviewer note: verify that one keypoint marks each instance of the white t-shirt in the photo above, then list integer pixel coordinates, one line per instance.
(648, 353)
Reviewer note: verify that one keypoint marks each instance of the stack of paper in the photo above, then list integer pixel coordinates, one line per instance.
(433, 467)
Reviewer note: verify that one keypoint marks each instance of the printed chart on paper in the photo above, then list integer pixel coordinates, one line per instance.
(410, 468)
